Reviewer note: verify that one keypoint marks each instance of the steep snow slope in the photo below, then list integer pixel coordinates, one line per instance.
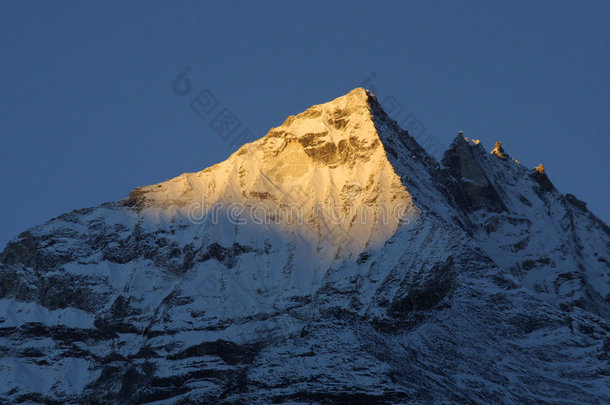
(322, 174)
(550, 242)
(331, 261)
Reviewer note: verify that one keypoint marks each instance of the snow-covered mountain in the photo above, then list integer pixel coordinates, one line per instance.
(331, 261)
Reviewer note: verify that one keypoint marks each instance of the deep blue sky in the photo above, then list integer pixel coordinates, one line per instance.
(87, 111)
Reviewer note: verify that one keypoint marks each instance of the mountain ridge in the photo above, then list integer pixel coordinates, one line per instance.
(332, 260)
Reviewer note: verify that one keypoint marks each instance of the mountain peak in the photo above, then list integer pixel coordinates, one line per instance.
(499, 151)
(461, 139)
(359, 94)
(328, 161)
(330, 133)
(319, 263)
(357, 100)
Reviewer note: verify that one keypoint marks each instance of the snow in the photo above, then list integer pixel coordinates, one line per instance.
(329, 256)
(16, 313)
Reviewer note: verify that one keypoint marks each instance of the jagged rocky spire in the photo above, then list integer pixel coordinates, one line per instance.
(473, 189)
(539, 174)
(499, 151)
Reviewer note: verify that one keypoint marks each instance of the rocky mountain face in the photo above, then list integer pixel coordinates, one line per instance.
(331, 261)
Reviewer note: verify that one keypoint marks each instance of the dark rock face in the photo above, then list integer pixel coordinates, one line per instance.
(576, 202)
(427, 294)
(472, 188)
(494, 288)
(542, 179)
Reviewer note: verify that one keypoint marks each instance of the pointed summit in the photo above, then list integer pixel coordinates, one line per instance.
(474, 189)
(334, 154)
(541, 177)
(342, 117)
(359, 94)
(460, 138)
(499, 151)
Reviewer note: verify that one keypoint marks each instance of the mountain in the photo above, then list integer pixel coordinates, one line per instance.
(332, 261)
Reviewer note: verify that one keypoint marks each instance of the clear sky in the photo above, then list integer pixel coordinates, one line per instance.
(88, 112)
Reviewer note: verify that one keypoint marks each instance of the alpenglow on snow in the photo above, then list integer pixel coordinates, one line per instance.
(331, 261)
